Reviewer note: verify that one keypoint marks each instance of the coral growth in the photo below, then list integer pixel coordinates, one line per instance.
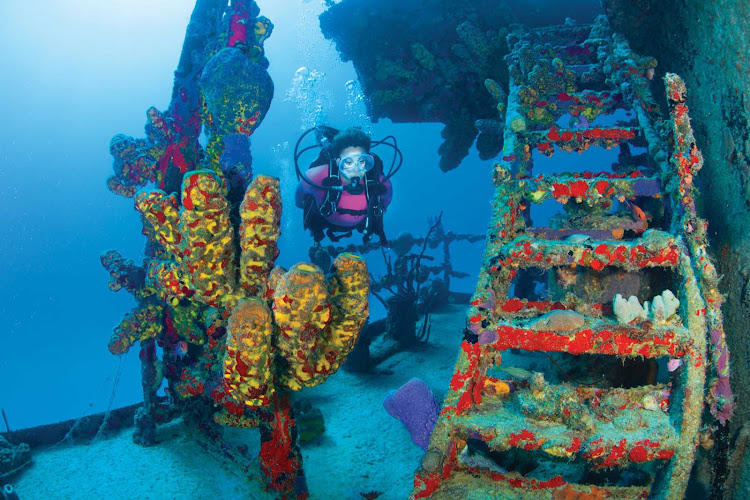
(248, 376)
(237, 93)
(415, 406)
(618, 423)
(13, 456)
(427, 68)
(268, 330)
(237, 333)
(221, 83)
(314, 322)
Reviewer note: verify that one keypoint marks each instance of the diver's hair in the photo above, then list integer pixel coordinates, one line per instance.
(351, 137)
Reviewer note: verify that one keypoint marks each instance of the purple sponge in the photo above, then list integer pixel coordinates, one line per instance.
(414, 404)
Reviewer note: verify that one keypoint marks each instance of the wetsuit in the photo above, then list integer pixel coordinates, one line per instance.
(351, 209)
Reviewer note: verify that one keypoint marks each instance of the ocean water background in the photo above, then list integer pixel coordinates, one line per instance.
(77, 72)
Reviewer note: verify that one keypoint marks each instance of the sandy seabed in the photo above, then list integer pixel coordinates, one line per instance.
(363, 449)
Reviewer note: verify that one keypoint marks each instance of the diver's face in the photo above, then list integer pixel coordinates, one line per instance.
(351, 169)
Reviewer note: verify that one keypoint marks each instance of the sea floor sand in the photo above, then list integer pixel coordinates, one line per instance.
(363, 449)
(116, 468)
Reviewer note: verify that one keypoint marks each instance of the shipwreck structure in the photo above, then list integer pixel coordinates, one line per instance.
(624, 272)
(628, 231)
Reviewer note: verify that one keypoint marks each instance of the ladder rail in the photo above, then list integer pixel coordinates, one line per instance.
(477, 405)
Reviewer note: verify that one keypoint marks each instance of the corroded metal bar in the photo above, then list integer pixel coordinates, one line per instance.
(587, 187)
(687, 161)
(564, 33)
(486, 484)
(576, 54)
(520, 308)
(655, 249)
(601, 447)
(687, 405)
(581, 139)
(585, 105)
(547, 233)
(604, 338)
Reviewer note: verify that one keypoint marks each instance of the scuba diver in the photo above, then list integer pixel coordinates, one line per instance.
(345, 188)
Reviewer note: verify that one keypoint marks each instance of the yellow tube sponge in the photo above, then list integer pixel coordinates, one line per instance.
(260, 229)
(166, 279)
(143, 322)
(248, 378)
(186, 320)
(207, 238)
(161, 212)
(301, 311)
(349, 290)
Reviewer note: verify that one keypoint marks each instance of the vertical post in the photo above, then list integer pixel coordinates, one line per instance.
(280, 456)
(145, 425)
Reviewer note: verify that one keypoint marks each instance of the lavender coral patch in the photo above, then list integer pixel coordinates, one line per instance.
(414, 404)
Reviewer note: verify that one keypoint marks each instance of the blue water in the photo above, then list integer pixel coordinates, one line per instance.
(77, 72)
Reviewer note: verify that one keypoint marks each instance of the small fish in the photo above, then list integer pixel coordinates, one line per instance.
(674, 364)
(516, 372)
(475, 456)
(637, 211)
(558, 451)
(181, 349)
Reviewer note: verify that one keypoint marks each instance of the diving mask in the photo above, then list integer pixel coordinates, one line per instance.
(356, 164)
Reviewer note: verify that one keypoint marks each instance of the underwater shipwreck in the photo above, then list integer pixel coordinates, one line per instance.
(616, 298)
(594, 256)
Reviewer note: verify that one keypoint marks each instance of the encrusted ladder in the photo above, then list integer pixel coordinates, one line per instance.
(582, 72)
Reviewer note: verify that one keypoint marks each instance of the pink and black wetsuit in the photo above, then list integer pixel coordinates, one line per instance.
(351, 208)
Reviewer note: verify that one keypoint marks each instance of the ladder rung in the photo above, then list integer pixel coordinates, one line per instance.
(654, 249)
(602, 337)
(606, 102)
(582, 138)
(548, 233)
(609, 427)
(576, 53)
(518, 308)
(515, 486)
(558, 34)
(589, 186)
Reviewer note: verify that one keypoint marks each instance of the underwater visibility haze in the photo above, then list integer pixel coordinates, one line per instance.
(416, 249)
